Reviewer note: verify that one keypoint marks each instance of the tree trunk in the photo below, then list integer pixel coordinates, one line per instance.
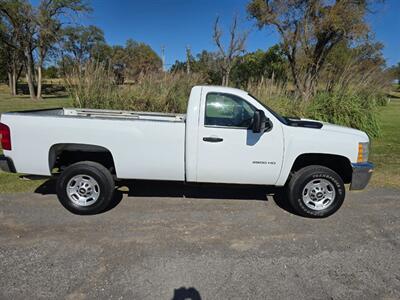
(10, 83)
(31, 86)
(30, 74)
(224, 80)
(306, 87)
(14, 80)
(309, 85)
(39, 82)
(295, 75)
(309, 82)
(225, 77)
(18, 75)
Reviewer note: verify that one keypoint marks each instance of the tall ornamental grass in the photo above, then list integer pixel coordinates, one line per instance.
(349, 109)
(353, 104)
(94, 87)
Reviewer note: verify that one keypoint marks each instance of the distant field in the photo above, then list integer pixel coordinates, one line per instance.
(385, 150)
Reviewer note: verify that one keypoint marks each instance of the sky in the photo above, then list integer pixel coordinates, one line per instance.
(176, 24)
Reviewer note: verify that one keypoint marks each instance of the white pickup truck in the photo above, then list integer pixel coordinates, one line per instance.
(227, 136)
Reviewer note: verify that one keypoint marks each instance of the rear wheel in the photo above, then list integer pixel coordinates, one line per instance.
(85, 188)
(316, 191)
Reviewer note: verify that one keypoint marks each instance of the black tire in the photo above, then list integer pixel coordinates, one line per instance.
(302, 177)
(96, 171)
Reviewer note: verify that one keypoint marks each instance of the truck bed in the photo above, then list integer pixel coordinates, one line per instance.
(143, 145)
(105, 114)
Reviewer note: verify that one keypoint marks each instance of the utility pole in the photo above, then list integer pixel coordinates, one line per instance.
(163, 57)
(188, 59)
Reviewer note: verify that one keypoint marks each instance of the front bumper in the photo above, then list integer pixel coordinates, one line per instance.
(362, 173)
(6, 164)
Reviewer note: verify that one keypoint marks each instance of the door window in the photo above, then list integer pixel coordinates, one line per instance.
(227, 110)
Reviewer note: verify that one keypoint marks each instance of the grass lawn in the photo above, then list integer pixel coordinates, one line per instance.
(10, 103)
(385, 150)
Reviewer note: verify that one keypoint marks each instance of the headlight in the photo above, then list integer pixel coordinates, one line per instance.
(363, 152)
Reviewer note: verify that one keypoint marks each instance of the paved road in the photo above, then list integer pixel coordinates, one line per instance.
(159, 245)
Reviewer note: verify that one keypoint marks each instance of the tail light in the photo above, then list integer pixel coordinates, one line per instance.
(5, 136)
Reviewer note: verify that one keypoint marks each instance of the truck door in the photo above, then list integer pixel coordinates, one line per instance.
(230, 152)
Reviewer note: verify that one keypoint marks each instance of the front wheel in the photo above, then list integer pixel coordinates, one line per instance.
(316, 191)
(85, 188)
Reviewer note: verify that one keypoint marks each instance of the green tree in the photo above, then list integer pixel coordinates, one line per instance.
(19, 17)
(3, 64)
(179, 66)
(256, 65)
(79, 44)
(11, 56)
(309, 30)
(30, 34)
(102, 52)
(49, 28)
(346, 63)
(207, 64)
(140, 59)
(50, 72)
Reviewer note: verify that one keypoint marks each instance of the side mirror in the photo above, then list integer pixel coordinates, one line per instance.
(260, 122)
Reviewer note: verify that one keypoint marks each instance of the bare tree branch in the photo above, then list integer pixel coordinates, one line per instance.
(236, 46)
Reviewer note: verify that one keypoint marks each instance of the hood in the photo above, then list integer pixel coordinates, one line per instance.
(340, 129)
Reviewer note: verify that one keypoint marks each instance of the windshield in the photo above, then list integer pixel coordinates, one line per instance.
(275, 114)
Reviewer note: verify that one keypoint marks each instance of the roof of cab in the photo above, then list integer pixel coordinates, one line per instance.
(224, 89)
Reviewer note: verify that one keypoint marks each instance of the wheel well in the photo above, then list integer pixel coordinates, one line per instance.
(337, 163)
(63, 155)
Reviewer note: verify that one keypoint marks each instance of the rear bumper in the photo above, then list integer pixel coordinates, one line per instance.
(6, 164)
(362, 173)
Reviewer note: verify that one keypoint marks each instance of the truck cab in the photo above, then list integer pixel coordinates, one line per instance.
(221, 140)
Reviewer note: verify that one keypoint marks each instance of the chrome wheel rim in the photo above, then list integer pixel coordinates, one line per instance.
(318, 194)
(83, 190)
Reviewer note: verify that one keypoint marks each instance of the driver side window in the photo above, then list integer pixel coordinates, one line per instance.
(227, 110)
